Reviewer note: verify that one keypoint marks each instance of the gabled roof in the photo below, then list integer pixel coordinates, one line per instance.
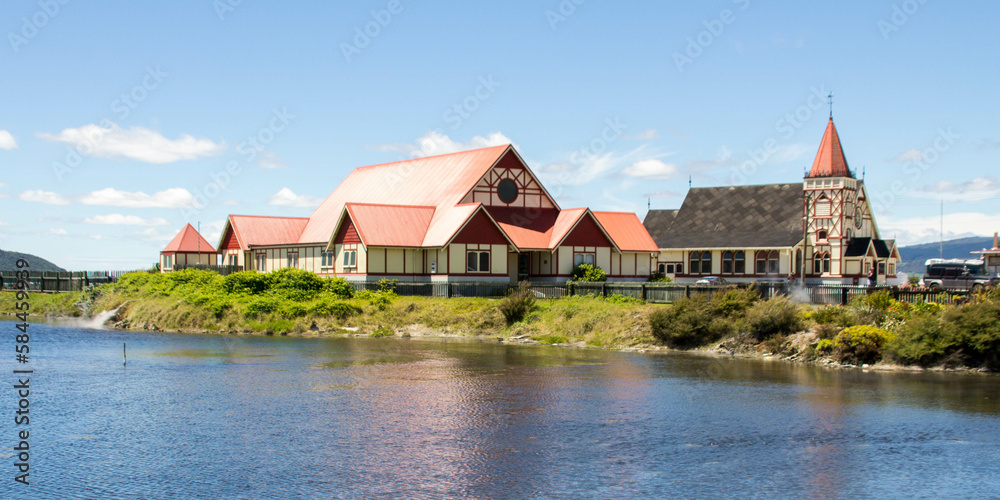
(532, 229)
(437, 181)
(860, 247)
(390, 225)
(256, 230)
(658, 222)
(626, 231)
(765, 216)
(189, 241)
(830, 161)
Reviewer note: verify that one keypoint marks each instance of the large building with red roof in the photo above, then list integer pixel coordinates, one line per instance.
(821, 231)
(479, 215)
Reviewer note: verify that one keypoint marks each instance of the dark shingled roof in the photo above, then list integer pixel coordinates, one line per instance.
(737, 216)
(858, 247)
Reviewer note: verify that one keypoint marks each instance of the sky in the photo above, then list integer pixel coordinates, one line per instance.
(122, 121)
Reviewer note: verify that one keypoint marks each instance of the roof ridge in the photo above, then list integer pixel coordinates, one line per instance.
(267, 216)
(505, 146)
(432, 207)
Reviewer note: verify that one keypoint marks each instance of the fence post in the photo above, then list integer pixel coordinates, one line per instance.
(687, 291)
(843, 296)
(604, 289)
(642, 291)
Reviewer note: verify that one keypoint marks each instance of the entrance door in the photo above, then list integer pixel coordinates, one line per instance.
(523, 266)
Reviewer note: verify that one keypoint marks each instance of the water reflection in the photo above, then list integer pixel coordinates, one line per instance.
(227, 416)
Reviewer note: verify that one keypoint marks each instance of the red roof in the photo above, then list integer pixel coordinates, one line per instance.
(189, 241)
(627, 231)
(436, 181)
(830, 161)
(390, 225)
(528, 229)
(260, 230)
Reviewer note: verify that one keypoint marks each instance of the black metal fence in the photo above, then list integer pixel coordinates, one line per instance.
(57, 281)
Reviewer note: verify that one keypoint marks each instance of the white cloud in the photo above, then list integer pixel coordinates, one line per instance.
(645, 135)
(909, 156)
(4, 223)
(287, 198)
(3, 184)
(155, 235)
(790, 152)
(231, 203)
(47, 197)
(435, 143)
(125, 220)
(914, 230)
(267, 159)
(977, 189)
(7, 141)
(168, 198)
(661, 194)
(55, 232)
(651, 169)
(135, 143)
(4, 195)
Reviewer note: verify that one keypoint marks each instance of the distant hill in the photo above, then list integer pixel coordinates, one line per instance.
(914, 256)
(8, 262)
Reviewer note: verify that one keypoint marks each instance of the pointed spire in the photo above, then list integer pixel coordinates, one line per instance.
(996, 241)
(830, 161)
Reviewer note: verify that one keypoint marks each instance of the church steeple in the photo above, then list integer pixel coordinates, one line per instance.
(830, 161)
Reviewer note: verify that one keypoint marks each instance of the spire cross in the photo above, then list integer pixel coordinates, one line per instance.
(830, 101)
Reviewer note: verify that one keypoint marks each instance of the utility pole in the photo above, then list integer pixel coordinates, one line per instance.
(805, 239)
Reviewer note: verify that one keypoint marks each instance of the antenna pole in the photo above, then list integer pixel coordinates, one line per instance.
(830, 100)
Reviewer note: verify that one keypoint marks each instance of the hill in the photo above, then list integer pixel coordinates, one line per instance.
(8, 262)
(914, 256)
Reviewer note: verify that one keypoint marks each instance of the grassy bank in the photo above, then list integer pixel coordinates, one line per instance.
(873, 329)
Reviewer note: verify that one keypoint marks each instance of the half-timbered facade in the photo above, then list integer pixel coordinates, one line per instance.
(479, 215)
(823, 229)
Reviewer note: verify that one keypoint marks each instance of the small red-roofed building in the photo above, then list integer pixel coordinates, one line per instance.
(187, 249)
(991, 256)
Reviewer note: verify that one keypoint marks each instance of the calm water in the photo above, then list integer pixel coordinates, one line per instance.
(233, 417)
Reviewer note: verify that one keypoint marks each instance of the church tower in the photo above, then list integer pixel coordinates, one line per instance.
(835, 209)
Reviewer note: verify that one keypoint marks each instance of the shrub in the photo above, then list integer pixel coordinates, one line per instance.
(517, 304)
(923, 340)
(383, 332)
(777, 316)
(659, 277)
(824, 346)
(259, 306)
(733, 302)
(861, 343)
(588, 273)
(295, 284)
(246, 282)
(977, 328)
(833, 315)
(293, 310)
(623, 299)
(338, 287)
(687, 323)
(339, 310)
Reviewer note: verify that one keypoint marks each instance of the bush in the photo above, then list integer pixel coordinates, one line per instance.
(777, 316)
(733, 302)
(861, 343)
(383, 332)
(659, 277)
(293, 310)
(833, 315)
(295, 284)
(824, 346)
(339, 310)
(687, 323)
(923, 340)
(338, 287)
(622, 299)
(246, 282)
(259, 306)
(588, 273)
(977, 328)
(517, 304)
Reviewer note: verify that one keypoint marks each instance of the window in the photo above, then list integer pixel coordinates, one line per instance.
(478, 261)
(727, 262)
(350, 260)
(327, 259)
(798, 262)
(293, 260)
(662, 268)
(695, 265)
(679, 268)
(881, 268)
(822, 208)
(767, 262)
(233, 260)
(584, 258)
(821, 235)
(740, 265)
(261, 262)
(670, 268)
(821, 263)
(168, 261)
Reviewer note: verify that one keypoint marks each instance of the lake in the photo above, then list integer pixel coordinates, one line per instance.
(202, 416)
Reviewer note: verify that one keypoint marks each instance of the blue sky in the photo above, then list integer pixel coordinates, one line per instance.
(119, 120)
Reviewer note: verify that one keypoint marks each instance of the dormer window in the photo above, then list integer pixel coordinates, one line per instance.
(821, 235)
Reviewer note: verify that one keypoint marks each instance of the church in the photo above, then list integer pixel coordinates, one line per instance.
(821, 231)
(479, 215)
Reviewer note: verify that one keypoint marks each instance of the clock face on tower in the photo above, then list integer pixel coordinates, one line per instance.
(857, 218)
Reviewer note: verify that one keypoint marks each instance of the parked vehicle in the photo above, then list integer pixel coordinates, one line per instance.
(957, 274)
(711, 280)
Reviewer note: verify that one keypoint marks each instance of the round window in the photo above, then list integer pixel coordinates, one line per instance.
(507, 191)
